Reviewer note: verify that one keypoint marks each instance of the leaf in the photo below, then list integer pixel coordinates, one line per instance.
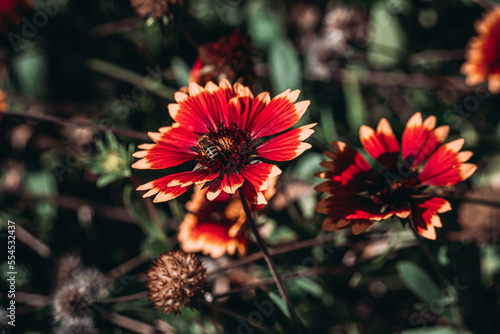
(432, 330)
(271, 305)
(417, 280)
(356, 112)
(284, 66)
(262, 24)
(387, 40)
(181, 71)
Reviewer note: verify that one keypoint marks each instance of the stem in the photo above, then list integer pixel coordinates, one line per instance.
(65, 122)
(423, 245)
(426, 251)
(285, 248)
(270, 262)
(287, 277)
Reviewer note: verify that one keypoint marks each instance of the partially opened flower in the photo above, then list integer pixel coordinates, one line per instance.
(217, 227)
(483, 53)
(222, 129)
(229, 57)
(362, 196)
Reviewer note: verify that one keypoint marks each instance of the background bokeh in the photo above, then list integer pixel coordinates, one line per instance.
(86, 80)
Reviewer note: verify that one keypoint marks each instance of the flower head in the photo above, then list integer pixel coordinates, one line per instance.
(217, 227)
(11, 12)
(483, 53)
(362, 196)
(229, 57)
(153, 8)
(222, 129)
(174, 279)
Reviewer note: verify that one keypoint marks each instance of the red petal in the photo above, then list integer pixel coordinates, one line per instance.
(210, 238)
(445, 167)
(160, 188)
(221, 94)
(172, 148)
(257, 174)
(382, 145)
(185, 179)
(348, 170)
(425, 218)
(421, 140)
(279, 115)
(286, 146)
(201, 111)
(231, 182)
(252, 195)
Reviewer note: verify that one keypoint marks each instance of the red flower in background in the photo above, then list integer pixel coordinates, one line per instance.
(230, 57)
(362, 196)
(221, 128)
(217, 227)
(483, 53)
(11, 12)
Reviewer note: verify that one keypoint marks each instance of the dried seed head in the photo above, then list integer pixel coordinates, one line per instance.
(174, 279)
(67, 268)
(77, 326)
(74, 299)
(153, 8)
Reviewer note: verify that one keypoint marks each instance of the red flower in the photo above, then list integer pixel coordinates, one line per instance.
(221, 128)
(483, 53)
(11, 12)
(362, 196)
(219, 226)
(229, 57)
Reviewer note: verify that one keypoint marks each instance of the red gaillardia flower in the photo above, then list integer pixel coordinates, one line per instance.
(483, 53)
(11, 12)
(229, 57)
(222, 129)
(362, 196)
(217, 227)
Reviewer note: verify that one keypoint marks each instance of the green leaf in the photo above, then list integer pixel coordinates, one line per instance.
(284, 66)
(278, 311)
(181, 71)
(417, 280)
(356, 113)
(387, 40)
(433, 330)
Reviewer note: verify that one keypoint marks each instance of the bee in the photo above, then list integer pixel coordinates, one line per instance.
(207, 147)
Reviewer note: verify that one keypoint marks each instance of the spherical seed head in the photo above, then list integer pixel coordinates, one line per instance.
(67, 268)
(74, 299)
(174, 279)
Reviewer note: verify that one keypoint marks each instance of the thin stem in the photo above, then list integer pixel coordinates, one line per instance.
(426, 251)
(127, 298)
(153, 212)
(287, 277)
(270, 262)
(220, 308)
(61, 121)
(285, 248)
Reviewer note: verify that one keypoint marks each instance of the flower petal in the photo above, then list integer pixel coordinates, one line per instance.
(160, 188)
(231, 182)
(185, 179)
(347, 172)
(286, 146)
(278, 115)
(421, 139)
(425, 216)
(381, 145)
(171, 148)
(445, 167)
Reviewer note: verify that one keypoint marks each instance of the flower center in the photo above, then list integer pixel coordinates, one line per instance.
(393, 191)
(228, 149)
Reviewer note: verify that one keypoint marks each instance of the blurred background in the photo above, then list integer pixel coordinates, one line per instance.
(83, 83)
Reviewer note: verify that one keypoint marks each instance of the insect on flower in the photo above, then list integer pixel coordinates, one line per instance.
(221, 129)
(362, 196)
